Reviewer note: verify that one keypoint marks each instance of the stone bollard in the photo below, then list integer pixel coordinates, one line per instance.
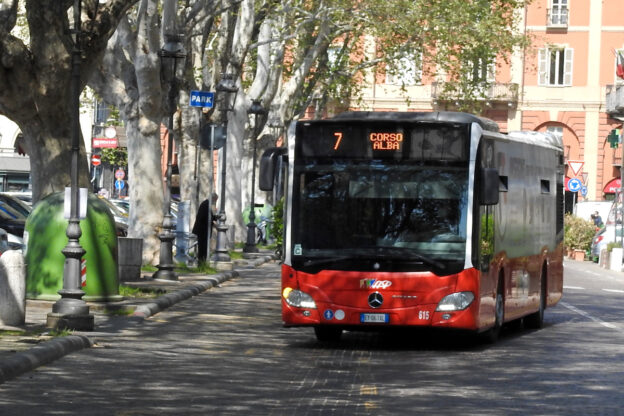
(129, 259)
(12, 289)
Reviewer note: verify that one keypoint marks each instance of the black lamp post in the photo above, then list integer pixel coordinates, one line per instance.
(250, 246)
(70, 311)
(226, 90)
(171, 55)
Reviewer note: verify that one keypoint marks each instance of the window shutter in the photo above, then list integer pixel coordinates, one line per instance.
(542, 71)
(567, 75)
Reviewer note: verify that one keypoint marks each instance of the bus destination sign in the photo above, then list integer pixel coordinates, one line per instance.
(386, 141)
(383, 141)
(378, 141)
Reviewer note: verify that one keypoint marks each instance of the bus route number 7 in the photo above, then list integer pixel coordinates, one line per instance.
(338, 139)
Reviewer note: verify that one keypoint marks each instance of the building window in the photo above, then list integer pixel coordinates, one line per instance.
(404, 71)
(557, 131)
(558, 13)
(101, 114)
(482, 71)
(555, 66)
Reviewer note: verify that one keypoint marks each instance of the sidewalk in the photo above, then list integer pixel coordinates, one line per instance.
(25, 348)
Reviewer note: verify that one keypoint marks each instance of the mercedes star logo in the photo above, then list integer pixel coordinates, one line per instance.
(375, 300)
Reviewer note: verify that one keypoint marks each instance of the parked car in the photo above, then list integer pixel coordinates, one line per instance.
(24, 196)
(15, 204)
(120, 217)
(11, 221)
(122, 204)
(603, 237)
(4, 241)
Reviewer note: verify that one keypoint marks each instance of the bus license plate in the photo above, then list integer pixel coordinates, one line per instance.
(374, 318)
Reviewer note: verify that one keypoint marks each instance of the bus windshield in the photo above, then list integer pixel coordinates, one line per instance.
(380, 210)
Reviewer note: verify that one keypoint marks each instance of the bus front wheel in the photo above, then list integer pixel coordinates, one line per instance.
(491, 335)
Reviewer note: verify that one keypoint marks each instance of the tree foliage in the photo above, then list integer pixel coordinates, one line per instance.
(290, 54)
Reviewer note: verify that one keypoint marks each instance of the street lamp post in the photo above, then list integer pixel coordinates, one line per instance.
(226, 89)
(171, 54)
(70, 311)
(250, 246)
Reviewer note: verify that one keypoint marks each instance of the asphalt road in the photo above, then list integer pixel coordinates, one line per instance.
(224, 352)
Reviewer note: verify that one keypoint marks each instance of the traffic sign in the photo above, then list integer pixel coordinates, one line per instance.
(96, 160)
(576, 166)
(119, 184)
(574, 185)
(203, 99)
(584, 191)
(220, 136)
(120, 174)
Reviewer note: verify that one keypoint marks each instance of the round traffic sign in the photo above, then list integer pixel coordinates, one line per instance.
(574, 185)
(120, 174)
(96, 160)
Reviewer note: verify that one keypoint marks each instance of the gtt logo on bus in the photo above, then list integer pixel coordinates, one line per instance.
(375, 284)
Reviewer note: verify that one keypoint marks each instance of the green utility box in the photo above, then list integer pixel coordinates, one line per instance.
(46, 238)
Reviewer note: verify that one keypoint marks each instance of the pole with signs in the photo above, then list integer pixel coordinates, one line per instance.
(205, 99)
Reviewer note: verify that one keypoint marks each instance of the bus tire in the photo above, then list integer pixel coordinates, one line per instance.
(536, 319)
(491, 335)
(327, 333)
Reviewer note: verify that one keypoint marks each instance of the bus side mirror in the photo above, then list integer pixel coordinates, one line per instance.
(488, 194)
(268, 163)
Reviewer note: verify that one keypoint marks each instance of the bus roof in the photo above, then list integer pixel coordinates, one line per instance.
(539, 138)
(444, 116)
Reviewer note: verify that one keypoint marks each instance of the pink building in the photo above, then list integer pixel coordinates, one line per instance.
(560, 86)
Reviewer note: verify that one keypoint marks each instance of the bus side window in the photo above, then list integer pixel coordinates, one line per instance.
(486, 238)
(488, 194)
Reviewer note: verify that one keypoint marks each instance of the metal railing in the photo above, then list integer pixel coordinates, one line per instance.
(615, 100)
(495, 92)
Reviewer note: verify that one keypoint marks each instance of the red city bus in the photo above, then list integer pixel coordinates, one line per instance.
(418, 219)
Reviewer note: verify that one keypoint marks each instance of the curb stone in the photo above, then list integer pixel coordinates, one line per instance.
(56, 348)
(40, 355)
(165, 301)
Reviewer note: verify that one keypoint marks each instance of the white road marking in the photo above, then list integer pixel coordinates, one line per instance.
(588, 316)
(574, 287)
(614, 290)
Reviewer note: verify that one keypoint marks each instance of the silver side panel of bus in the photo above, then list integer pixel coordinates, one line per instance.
(289, 191)
(475, 137)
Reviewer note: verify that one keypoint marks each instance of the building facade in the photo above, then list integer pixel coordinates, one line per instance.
(559, 85)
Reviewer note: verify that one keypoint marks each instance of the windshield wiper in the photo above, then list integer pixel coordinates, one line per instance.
(401, 255)
(329, 260)
(379, 254)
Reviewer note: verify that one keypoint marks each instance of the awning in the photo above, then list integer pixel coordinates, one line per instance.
(613, 186)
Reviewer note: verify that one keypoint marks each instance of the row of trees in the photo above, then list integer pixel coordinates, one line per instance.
(290, 54)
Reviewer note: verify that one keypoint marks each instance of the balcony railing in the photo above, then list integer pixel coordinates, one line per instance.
(615, 100)
(504, 93)
(557, 17)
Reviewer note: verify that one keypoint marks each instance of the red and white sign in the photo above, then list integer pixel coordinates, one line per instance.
(96, 160)
(104, 142)
(120, 174)
(576, 166)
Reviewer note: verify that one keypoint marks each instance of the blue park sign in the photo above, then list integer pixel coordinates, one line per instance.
(201, 99)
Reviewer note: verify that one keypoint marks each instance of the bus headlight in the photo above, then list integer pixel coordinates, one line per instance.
(298, 299)
(455, 302)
